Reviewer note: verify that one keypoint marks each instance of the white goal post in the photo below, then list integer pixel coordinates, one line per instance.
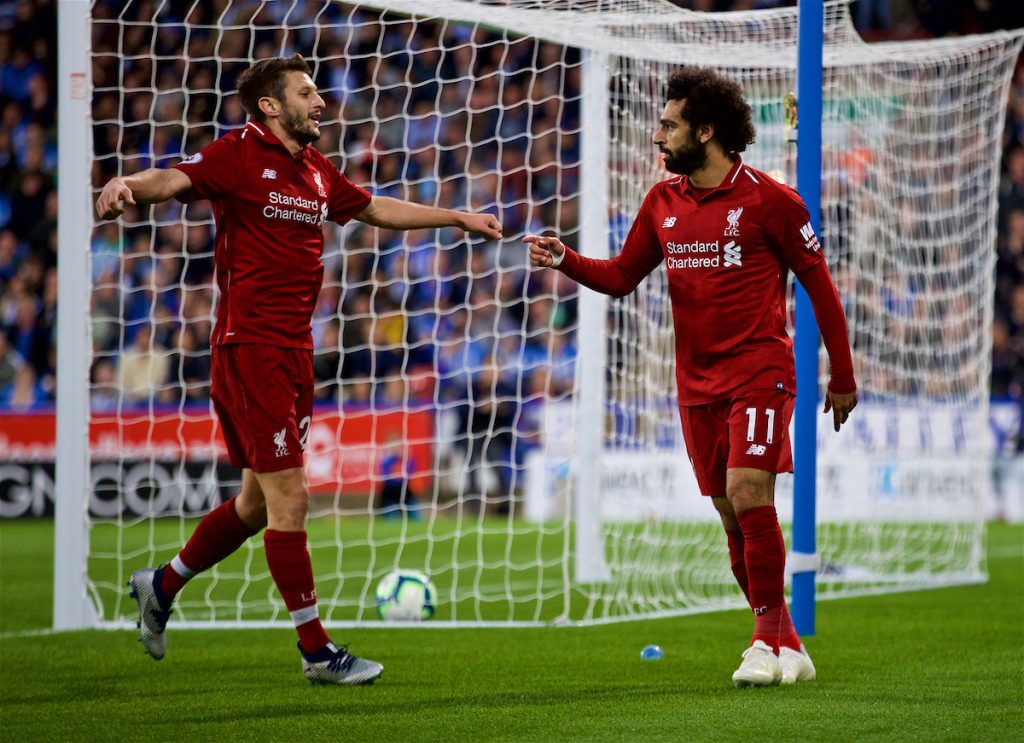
(529, 429)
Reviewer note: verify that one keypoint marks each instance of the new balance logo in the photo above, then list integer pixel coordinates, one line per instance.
(669, 222)
(809, 238)
(732, 254)
(757, 450)
(270, 175)
(733, 218)
(282, 448)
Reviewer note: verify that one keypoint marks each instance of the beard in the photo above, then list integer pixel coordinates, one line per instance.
(688, 159)
(299, 128)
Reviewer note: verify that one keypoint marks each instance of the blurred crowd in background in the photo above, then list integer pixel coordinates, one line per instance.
(387, 329)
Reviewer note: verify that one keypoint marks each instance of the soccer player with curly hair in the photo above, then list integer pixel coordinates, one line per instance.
(729, 236)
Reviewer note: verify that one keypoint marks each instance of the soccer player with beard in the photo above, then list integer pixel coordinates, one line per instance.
(729, 235)
(271, 192)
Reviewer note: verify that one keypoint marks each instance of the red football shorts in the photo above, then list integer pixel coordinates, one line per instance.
(749, 430)
(263, 396)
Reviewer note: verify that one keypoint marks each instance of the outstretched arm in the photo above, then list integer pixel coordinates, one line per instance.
(148, 187)
(616, 277)
(395, 214)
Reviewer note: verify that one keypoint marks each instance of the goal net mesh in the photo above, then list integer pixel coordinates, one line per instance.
(444, 435)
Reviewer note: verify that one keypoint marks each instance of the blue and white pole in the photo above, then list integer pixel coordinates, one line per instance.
(804, 548)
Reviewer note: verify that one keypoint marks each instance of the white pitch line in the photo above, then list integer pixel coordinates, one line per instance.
(17, 634)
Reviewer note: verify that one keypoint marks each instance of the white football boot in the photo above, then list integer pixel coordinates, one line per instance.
(153, 613)
(796, 666)
(334, 665)
(760, 667)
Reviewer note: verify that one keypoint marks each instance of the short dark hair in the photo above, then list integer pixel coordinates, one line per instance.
(266, 78)
(715, 100)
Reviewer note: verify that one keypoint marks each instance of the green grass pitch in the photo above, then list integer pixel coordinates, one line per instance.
(924, 666)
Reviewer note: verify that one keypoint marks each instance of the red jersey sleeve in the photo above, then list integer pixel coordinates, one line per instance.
(828, 311)
(619, 276)
(347, 199)
(214, 171)
(793, 236)
(790, 231)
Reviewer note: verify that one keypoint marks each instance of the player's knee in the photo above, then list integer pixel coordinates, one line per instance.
(289, 515)
(296, 502)
(726, 513)
(749, 489)
(286, 500)
(250, 505)
(253, 514)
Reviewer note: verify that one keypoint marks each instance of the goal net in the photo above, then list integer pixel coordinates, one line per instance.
(513, 437)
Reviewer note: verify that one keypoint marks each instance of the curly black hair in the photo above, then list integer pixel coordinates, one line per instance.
(715, 100)
(266, 78)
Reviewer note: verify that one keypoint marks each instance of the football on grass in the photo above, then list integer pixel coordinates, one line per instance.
(406, 596)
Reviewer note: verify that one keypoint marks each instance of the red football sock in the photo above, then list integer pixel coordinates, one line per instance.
(787, 632)
(292, 571)
(219, 534)
(765, 557)
(737, 559)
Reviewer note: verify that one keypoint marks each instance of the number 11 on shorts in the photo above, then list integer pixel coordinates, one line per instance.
(752, 424)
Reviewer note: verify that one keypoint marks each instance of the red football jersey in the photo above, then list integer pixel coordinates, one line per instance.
(269, 207)
(728, 251)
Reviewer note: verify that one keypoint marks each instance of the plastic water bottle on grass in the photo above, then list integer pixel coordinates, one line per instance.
(652, 652)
